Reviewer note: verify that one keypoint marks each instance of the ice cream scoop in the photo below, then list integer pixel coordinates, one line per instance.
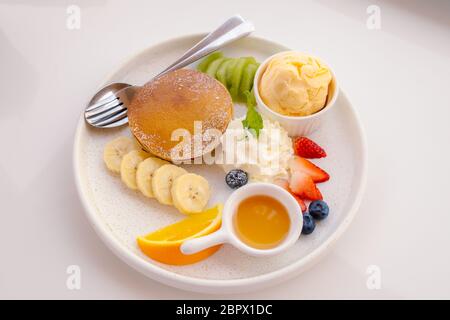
(295, 84)
(291, 81)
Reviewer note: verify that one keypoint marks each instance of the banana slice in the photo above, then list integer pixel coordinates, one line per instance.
(115, 150)
(162, 180)
(144, 175)
(129, 165)
(190, 193)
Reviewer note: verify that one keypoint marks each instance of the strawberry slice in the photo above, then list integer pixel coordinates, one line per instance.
(299, 164)
(299, 200)
(303, 186)
(285, 185)
(307, 148)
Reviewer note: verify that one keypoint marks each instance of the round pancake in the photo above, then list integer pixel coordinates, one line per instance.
(163, 112)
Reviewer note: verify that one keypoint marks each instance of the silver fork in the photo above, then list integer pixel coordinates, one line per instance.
(108, 108)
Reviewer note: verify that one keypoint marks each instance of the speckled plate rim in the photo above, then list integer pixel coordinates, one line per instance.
(210, 285)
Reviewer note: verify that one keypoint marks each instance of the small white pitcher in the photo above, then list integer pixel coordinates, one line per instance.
(227, 232)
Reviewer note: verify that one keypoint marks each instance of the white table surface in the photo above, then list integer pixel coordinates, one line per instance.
(397, 77)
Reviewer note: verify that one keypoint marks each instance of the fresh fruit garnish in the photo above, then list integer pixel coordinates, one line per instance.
(162, 181)
(230, 69)
(306, 148)
(300, 201)
(236, 178)
(303, 185)
(247, 79)
(236, 74)
(297, 163)
(115, 150)
(319, 209)
(144, 175)
(190, 193)
(285, 185)
(157, 178)
(203, 65)
(164, 244)
(308, 224)
(214, 66)
(128, 167)
(221, 73)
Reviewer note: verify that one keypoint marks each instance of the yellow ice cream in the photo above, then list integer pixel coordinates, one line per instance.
(295, 84)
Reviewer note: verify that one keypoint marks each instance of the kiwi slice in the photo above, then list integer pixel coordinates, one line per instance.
(237, 75)
(214, 66)
(221, 73)
(247, 79)
(229, 72)
(202, 66)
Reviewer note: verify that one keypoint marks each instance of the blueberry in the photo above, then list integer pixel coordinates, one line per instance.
(308, 224)
(319, 209)
(236, 178)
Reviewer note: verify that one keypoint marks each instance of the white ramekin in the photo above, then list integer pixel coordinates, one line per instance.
(228, 234)
(296, 126)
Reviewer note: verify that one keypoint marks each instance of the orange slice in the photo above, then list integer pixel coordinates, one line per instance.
(164, 244)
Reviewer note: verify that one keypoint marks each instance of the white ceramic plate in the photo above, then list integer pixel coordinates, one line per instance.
(119, 215)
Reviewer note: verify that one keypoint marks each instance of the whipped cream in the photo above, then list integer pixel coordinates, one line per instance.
(264, 158)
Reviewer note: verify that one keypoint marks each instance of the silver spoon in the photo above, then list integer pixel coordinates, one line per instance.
(108, 107)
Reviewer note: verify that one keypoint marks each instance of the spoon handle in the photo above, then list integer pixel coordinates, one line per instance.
(231, 23)
(198, 244)
(233, 29)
